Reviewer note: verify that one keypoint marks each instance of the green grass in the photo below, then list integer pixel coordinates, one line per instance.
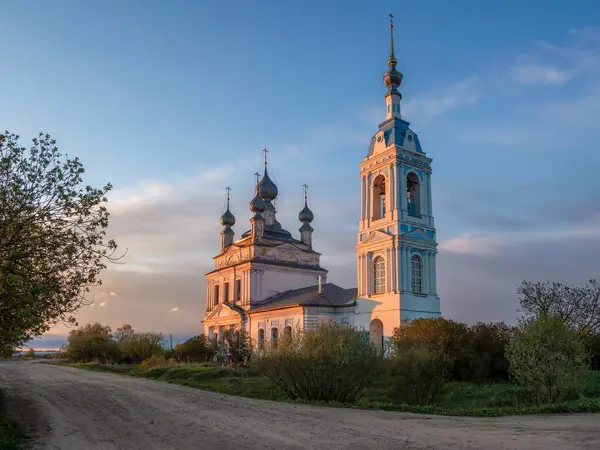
(457, 399)
(11, 436)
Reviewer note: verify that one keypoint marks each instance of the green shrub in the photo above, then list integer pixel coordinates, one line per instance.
(476, 352)
(137, 347)
(195, 349)
(329, 363)
(91, 342)
(154, 361)
(592, 344)
(236, 346)
(548, 359)
(418, 375)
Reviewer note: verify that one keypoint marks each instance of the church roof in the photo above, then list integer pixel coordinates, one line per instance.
(394, 132)
(331, 295)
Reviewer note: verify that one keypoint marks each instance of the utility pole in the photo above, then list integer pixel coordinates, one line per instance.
(171, 338)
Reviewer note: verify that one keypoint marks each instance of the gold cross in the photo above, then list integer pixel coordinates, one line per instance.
(265, 151)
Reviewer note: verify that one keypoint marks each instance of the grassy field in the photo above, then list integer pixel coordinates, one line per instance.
(11, 437)
(460, 399)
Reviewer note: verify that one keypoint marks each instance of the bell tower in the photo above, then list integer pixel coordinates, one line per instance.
(397, 246)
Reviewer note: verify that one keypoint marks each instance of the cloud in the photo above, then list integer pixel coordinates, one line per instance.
(539, 74)
(112, 294)
(174, 309)
(464, 93)
(102, 305)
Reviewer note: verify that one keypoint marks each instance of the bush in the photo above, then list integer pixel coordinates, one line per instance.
(475, 353)
(155, 361)
(137, 347)
(236, 346)
(195, 349)
(548, 359)
(592, 344)
(329, 363)
(418, 375)
(92, 342)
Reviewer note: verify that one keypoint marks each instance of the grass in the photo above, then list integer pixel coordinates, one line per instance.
(11, 436)
(457, 399)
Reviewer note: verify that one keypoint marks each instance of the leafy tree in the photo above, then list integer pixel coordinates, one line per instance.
(90, 342)
(577, 306)
(30, 353)
(140, 346)
(53, 243)
(548, 358)
(124, 332)
(195, 349)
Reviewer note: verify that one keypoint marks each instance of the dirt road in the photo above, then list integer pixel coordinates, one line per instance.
(68, 408)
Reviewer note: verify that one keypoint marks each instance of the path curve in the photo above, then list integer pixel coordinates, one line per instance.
(67, 408)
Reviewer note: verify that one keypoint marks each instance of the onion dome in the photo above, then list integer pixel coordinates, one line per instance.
(257, 205)
(306, 215)
(267, 189)
(306, 227)
(227, 219)
(392, 78)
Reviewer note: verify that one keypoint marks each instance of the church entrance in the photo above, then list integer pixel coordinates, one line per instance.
(376, 334)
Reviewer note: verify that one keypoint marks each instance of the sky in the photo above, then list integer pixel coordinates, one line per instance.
(172, 103)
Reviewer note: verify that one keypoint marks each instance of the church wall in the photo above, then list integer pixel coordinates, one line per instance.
(383, 307)
(314, 316)
(278, 318)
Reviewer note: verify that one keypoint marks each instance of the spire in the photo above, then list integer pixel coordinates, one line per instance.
(392, 79)
(392, 61)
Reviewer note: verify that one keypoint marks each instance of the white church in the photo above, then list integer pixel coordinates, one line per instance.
(269, 282)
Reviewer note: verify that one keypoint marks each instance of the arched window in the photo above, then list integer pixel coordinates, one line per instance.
(261, 336)
(274, 336)
(287, 331)
(379, 275)
(416, 266)
(379, 201)
(413, 195)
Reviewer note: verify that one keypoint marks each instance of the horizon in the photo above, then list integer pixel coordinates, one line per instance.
(176, 103)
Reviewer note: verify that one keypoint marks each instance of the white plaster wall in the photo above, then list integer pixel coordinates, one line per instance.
(275, 319)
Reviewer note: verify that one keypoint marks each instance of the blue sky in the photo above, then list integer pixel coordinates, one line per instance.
(173, 103)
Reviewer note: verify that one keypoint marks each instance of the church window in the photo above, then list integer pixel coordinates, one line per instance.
(379, 275)
(416, 265)
(287, 331)
(379, 200)
(238, 289)
(274, 336)
(216, 294)
(413, 195)
(225, 292)
(261, 336)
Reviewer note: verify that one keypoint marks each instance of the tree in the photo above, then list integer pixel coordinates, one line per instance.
(53, 243)
(195, 349)
(91, 341)
(124, 332)
(548, 359)
(577, 306)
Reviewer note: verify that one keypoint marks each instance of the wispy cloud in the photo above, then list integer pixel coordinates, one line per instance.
(102, 305)
(112, 294)
(464, 93)
(540, 75)
(174, 309)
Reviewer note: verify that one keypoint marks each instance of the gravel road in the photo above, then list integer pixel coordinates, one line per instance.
(68, 408)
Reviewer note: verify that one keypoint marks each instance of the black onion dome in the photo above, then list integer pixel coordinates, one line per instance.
(268, 189)
(306, 215)
(227, 219)
(257, 205)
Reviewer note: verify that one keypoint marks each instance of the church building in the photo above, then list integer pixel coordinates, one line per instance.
(269, 282)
